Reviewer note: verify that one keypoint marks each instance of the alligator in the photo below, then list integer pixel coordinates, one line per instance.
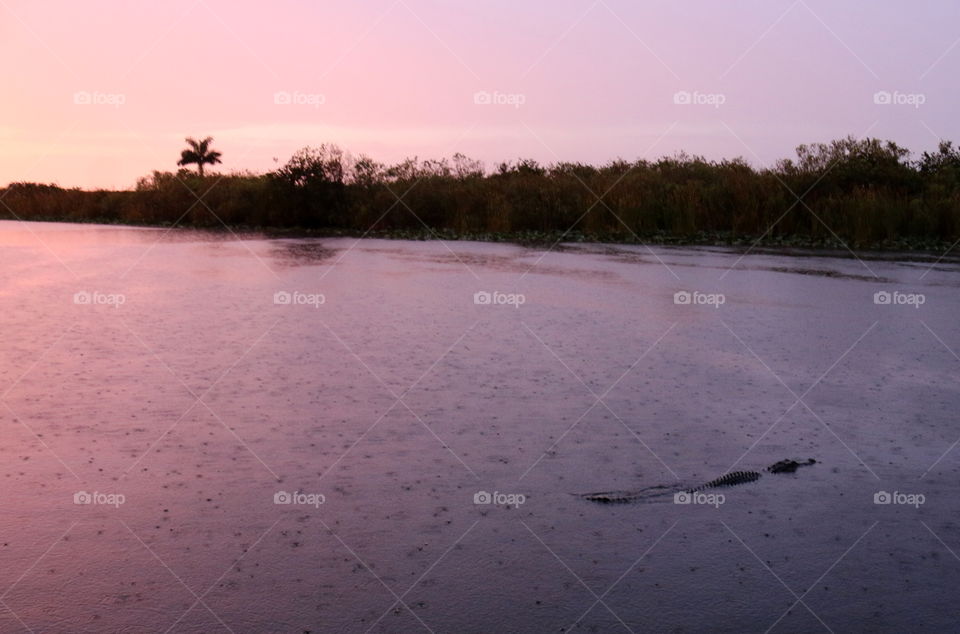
(731, 478)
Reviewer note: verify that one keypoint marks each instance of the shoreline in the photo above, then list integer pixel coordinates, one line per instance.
(794, 246)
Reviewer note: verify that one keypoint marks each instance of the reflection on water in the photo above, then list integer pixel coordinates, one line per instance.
(298, 465)
(300, 252)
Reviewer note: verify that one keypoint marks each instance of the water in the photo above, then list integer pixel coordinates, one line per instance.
(186, 399)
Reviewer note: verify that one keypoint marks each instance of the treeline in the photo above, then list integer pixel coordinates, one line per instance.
(866, 192)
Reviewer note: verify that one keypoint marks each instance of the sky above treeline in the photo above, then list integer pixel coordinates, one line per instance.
(97, 94)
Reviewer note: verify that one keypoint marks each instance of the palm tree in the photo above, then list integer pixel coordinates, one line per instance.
(200, 153)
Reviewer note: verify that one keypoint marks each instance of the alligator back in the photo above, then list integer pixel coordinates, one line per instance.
(728, 480)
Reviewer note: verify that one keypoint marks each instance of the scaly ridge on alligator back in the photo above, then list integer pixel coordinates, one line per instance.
(728, 480)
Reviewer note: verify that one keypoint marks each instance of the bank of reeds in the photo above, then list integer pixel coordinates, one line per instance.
(865, 193)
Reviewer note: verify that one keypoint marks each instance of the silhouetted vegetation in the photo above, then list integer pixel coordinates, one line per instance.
(866, 193)
(199, 153)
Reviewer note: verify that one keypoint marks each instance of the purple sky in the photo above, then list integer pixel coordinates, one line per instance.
(580, 81)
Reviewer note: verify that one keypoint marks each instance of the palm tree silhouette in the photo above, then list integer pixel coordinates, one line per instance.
(200, 153)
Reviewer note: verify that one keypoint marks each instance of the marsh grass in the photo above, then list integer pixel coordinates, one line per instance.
(861, 193)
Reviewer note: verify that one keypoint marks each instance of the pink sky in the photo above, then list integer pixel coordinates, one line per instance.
(582, 81)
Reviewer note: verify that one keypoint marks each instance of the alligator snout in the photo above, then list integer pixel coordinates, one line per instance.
(789, 466)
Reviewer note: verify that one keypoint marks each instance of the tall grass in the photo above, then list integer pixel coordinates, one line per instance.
(862, 192)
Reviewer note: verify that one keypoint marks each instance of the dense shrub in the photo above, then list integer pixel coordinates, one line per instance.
(864, 192)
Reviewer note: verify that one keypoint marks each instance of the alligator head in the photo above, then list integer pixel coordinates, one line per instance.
(789, 466)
